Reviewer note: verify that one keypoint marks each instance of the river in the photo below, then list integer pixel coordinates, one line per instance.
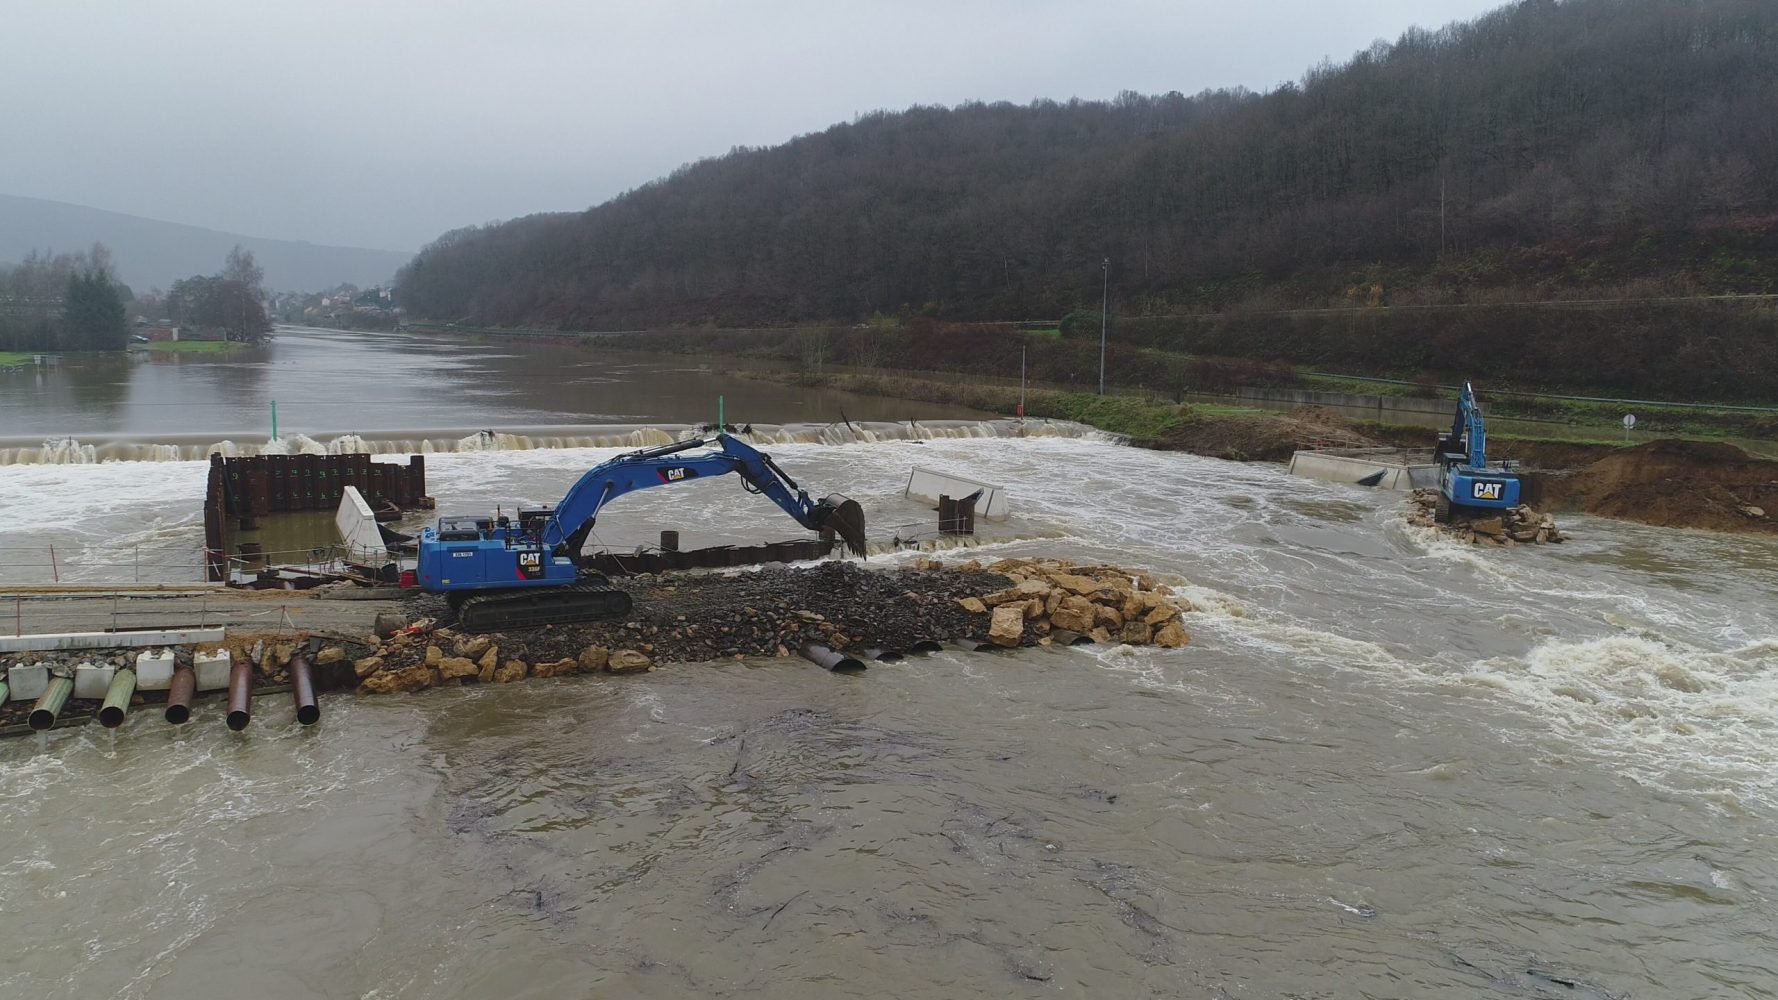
(1388, 765)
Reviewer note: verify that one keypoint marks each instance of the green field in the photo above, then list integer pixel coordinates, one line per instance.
(10, 358)
(187, 346)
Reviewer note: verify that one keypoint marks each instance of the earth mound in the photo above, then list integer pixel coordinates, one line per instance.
(1676, 484)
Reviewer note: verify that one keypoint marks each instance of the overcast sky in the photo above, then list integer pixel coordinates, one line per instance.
(385, 123)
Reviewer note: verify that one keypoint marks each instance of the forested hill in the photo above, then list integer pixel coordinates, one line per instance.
(1547, 148)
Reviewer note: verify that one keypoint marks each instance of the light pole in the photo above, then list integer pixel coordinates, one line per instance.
(1104, 299)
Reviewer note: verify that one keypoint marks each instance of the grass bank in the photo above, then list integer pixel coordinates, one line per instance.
(10, 358)
(187, 346)
(1229, 432)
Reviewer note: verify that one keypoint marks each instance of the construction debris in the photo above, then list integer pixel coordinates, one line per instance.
(1519, 525)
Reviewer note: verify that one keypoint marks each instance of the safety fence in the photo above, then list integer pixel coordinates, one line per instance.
(51, 613)
(79, 564)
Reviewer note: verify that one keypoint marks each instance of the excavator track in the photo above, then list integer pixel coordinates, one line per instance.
(510, 609)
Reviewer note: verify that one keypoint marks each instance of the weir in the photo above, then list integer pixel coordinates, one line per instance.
(195, 447)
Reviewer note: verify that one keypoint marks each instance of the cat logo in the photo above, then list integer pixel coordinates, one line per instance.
(531, 564)
(1488, 491)
(676, 474)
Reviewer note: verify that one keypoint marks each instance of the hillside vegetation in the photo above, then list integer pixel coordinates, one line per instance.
(1571, 150)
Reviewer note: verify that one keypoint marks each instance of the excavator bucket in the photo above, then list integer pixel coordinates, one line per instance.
(843, 518)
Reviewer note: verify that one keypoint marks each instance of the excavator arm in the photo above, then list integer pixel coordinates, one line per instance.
(573, 518)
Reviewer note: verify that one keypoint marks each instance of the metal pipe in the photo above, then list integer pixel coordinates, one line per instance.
(240, 694)
(837, 662)
(302, 691)
(3, 691)
(43, 714)
(117, 698)
(882, 655)
(925, 646)
(1063, 637)
(976, 646)
(179, 695)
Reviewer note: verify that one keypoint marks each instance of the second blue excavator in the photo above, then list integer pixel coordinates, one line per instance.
(518, 572)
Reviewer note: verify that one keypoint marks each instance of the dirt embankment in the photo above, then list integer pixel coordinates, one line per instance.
(1677, 484)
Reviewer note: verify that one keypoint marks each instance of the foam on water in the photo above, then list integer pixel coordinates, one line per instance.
(444, 441)
(1306, 577)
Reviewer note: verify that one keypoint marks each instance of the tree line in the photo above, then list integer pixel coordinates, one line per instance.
(74, 302)
(1498, 158)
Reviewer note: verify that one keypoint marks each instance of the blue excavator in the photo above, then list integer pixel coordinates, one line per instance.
(1467, 484)
(524, 571)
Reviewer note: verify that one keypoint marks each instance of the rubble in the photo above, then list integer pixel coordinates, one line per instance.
(769, 613)
(1519, 525)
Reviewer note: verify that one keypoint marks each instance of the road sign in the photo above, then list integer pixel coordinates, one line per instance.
(1629, 422)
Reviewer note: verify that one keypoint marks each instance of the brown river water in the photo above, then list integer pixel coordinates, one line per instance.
(1387, 766)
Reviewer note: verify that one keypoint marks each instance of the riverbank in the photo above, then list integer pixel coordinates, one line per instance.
(1228, 432)
(1668, 483)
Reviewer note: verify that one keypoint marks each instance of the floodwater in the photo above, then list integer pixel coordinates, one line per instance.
(331, 383)
(1387, 766)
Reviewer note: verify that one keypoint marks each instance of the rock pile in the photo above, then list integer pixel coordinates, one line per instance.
(416, 657)
(773, 613)
(1519, 525)
(1052, 598)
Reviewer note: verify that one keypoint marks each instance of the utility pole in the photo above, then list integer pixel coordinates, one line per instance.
(1104, 301)
(1021, 382)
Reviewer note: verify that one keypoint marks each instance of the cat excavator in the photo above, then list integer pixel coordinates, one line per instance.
(1467, 485)
(524, 571)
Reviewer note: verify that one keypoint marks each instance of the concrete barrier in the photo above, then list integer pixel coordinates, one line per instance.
(1397, 472)
(108, 640)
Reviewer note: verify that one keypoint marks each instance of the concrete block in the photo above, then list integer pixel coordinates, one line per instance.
(91, 680)
(110, 640)
(27, 683)
(211, 670)
(154, 670)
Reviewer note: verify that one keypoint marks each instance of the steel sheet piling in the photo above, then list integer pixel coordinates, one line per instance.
(179, 695)
(240, 694)
(117, 698)
(43, 714)
(302, 691)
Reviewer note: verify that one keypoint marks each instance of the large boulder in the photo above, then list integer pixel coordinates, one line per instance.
(368, 665)
(399, 681)
(389, 622)
(593, 659)
(973, 605)
(330, 655)
(474, 646)
(1007, 626)
(627, 661)
(489, 657)
(456, 667)
(1076, 614)
(434, 656)
(510, 671)
(565, 665)
(1172, 635)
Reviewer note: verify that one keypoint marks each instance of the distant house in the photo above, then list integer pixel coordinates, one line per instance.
(162, 333)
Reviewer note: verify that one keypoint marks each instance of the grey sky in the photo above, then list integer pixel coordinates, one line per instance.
(385, 123)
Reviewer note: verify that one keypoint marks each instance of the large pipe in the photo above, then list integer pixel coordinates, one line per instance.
(3, 690)
(302, 691)
(117, 698)
(240, 694)
(883, 655)
(1063, 637)
(43, 714)
(925, 646)
(179, 695)
(839, 663)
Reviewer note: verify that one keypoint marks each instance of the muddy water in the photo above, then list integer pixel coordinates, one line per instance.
(331, 382)
(1387, 766)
